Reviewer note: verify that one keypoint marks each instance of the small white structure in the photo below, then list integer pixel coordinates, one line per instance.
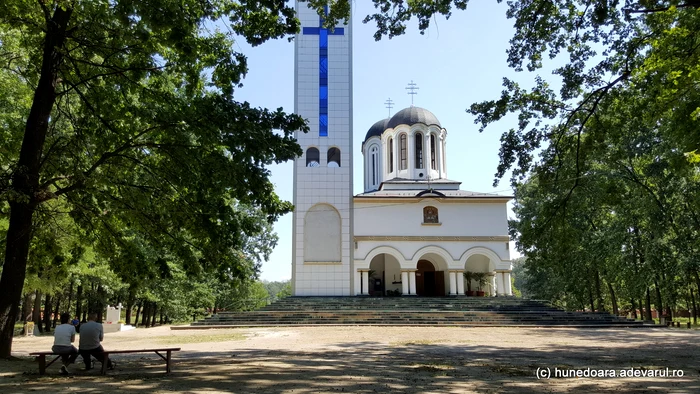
(112, 320)
(413, 231)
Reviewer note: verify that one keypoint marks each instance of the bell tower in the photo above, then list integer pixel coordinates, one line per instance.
(322, 219)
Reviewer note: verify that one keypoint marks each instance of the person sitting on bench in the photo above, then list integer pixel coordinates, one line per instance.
(63, 338)
(91, 334)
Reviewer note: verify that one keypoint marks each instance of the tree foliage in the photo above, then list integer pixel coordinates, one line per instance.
(122, 113)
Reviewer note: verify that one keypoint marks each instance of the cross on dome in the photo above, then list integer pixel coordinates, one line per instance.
(412, 87)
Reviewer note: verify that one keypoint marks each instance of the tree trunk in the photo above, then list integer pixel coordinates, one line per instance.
(138, 310)
(36, 313)
(27, 307)
(56, 311)
(590, 298)
(100, 306)
(599, 295)
(47, 313)
(659, 305)
(70, 295)
(634, 309)
(25, 181)
(648, 306)
(161, 316)
(616, 311)
(146, 314)
(79, 302)
(130, 299)
(153, 319)
(127, 317)
(695, 307)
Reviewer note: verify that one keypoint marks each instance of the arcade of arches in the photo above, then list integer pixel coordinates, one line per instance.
(430, 276)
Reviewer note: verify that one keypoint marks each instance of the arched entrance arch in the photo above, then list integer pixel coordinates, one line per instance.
(432, 276)
(384, 275)
(480, 262)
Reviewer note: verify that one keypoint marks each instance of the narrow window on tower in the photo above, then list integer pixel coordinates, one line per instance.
(374, 153)
(404, 158)
(312, 157)
(419, 150)
(391, 155)
(333, 157)
(433, 160)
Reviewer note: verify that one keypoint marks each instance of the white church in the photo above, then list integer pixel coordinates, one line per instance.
(413, 232)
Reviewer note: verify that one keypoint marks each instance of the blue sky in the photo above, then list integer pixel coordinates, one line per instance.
(456, 63)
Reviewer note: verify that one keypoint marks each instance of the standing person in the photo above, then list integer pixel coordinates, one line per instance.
(63, 338)
(91, 334)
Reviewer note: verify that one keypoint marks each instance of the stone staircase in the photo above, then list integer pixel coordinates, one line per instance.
(412, 311)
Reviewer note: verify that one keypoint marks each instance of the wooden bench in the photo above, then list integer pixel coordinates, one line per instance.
(41, 357)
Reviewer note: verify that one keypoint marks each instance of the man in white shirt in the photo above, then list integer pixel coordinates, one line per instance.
(91, 334)
(63, 338)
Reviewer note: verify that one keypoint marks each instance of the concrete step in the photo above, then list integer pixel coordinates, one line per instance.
(457, 311)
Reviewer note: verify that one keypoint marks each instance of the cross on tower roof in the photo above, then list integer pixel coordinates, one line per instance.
(389, 104)
(412, 87)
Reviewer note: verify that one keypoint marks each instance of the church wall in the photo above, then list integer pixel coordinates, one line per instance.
(456, 219)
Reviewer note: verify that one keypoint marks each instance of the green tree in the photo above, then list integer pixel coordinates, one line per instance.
(277, 290)
(124, 111)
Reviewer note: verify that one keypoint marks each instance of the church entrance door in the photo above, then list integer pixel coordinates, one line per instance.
(429, 283)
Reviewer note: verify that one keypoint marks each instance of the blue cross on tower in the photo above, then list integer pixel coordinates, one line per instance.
(323, 34)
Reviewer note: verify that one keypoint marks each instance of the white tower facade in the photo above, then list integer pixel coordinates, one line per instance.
(322, 219)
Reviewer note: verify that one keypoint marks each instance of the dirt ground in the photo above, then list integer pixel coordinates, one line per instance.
(375, 359)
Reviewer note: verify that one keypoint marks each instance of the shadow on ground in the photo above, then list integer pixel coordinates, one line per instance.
(417, 366)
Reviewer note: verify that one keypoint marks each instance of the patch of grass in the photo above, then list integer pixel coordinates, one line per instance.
(181, 339)
(683, 320)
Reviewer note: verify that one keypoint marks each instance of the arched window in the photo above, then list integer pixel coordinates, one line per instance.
(419, 150)
(322, 234)
(391, 154)
(374, 159)
(404, 157)
(433, 159)
(333, 157)
(430, 215)
(312, 157)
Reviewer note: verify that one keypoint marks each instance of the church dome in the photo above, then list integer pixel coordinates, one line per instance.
(377, 129)
(412, 115)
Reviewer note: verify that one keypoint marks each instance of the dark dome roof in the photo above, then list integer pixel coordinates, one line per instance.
(412, 115)
(377, 129)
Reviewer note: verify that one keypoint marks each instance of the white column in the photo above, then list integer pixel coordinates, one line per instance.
(365, 282)
(453, 283)
(493, 285)
(506, 281)
(438, 152)
(444, 157)
(460, 283)
(499, 282)
(404, 282)
(412, 282)
(358, 283)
